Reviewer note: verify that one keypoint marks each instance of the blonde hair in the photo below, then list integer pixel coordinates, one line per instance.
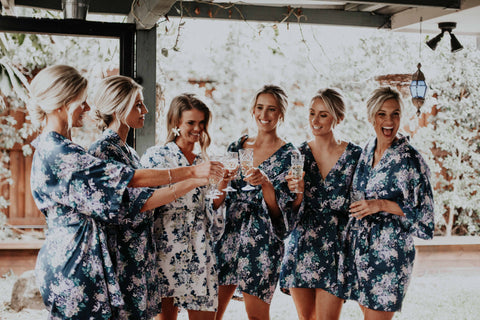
(53, 88)
(279, 95)
(378, 97)
(185, 102)
(114, 99)
(333, 101)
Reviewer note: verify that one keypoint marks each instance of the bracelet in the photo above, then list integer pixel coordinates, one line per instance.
(174, 193)
(169, 177)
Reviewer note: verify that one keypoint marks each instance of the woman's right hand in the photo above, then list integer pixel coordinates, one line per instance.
(208, 169)
(295, 185)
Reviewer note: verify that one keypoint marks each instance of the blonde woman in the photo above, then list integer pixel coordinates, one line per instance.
(80, 194)
(185, 230)
(310, 265)
(392, 203)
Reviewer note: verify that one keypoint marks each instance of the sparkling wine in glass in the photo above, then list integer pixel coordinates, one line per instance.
(246, 163)
(297, 161)
(213, 181)
(231, 164)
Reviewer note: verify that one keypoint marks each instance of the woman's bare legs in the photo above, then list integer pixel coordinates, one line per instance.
(304, 299)
(256, 308)
(169, 311)
(369, 314)
(201, 315)
(225, 294)
(327, 306)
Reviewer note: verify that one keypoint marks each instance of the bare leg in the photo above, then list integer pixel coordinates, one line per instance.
(327, 306)
(169, 311)
(256, 308)
(304, 299)
(225, 294)
(370, 314)
(201, 315)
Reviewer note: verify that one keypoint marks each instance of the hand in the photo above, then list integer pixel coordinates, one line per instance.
(256, 177)
(207, 169)
(200, 182)
(363, 208)
(295, 185)
(229, 175)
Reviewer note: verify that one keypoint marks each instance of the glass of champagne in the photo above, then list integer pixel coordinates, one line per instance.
(246, 163)
(213, 183)
(231, 164)
(296, 169)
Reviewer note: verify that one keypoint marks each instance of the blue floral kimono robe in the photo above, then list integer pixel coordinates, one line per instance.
(379, 248)
(79, 194)
(250, 251)
(314, 246)
(185, 231)
(131, 244)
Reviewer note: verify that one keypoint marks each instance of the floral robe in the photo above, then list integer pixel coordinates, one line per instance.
(185, 231)
(313, 250)
(250, 251)
(131, 244)
(380, 249)
(79, 194)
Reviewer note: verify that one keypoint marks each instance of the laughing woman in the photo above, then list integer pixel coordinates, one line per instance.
(251, 249)
(186, 229)
(392, 203)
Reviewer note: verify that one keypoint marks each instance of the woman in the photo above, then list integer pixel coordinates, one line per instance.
(310, 265)
(118, 106)
(393, 202)
(186, 229)
(250, 251)
(80, 194)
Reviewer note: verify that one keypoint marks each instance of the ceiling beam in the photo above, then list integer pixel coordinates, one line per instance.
(230, 11)
(121, 7)
(451, 4)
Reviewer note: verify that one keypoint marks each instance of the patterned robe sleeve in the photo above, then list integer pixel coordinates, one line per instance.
(283, 226)
(135, 198)
(417, 203)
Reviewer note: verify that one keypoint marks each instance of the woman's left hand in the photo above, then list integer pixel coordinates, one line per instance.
(363, 208)
(256, 177)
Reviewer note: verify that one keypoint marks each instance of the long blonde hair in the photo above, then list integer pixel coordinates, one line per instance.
(53, 88)
(114, 99)
(185, 102)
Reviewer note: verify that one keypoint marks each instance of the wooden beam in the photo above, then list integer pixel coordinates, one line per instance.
(279, 14)
(106, 6)
(451, 4)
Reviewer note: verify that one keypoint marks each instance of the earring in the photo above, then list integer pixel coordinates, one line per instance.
(176, 131)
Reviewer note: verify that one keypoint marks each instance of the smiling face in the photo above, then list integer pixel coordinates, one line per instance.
(136, 117)
(321, 121)
(192, 124)
(387, 121)
(266, 112)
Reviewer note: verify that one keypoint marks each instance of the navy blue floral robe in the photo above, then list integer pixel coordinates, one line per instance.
(250, 252)
(314, 246)
(79, 194)
(379, 248)
(131, 243)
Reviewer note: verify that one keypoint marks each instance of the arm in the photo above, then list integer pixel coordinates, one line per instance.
(363, 208)
(169, 194)
(158, 177)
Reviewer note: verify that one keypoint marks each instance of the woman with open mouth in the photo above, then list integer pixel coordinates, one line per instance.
(392, 202)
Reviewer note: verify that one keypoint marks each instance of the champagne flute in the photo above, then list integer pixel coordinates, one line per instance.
(297, 161)
(231, 164)
(213, 183)
(246, 163)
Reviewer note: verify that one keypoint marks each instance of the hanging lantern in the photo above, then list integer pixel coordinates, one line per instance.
(418, 89)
